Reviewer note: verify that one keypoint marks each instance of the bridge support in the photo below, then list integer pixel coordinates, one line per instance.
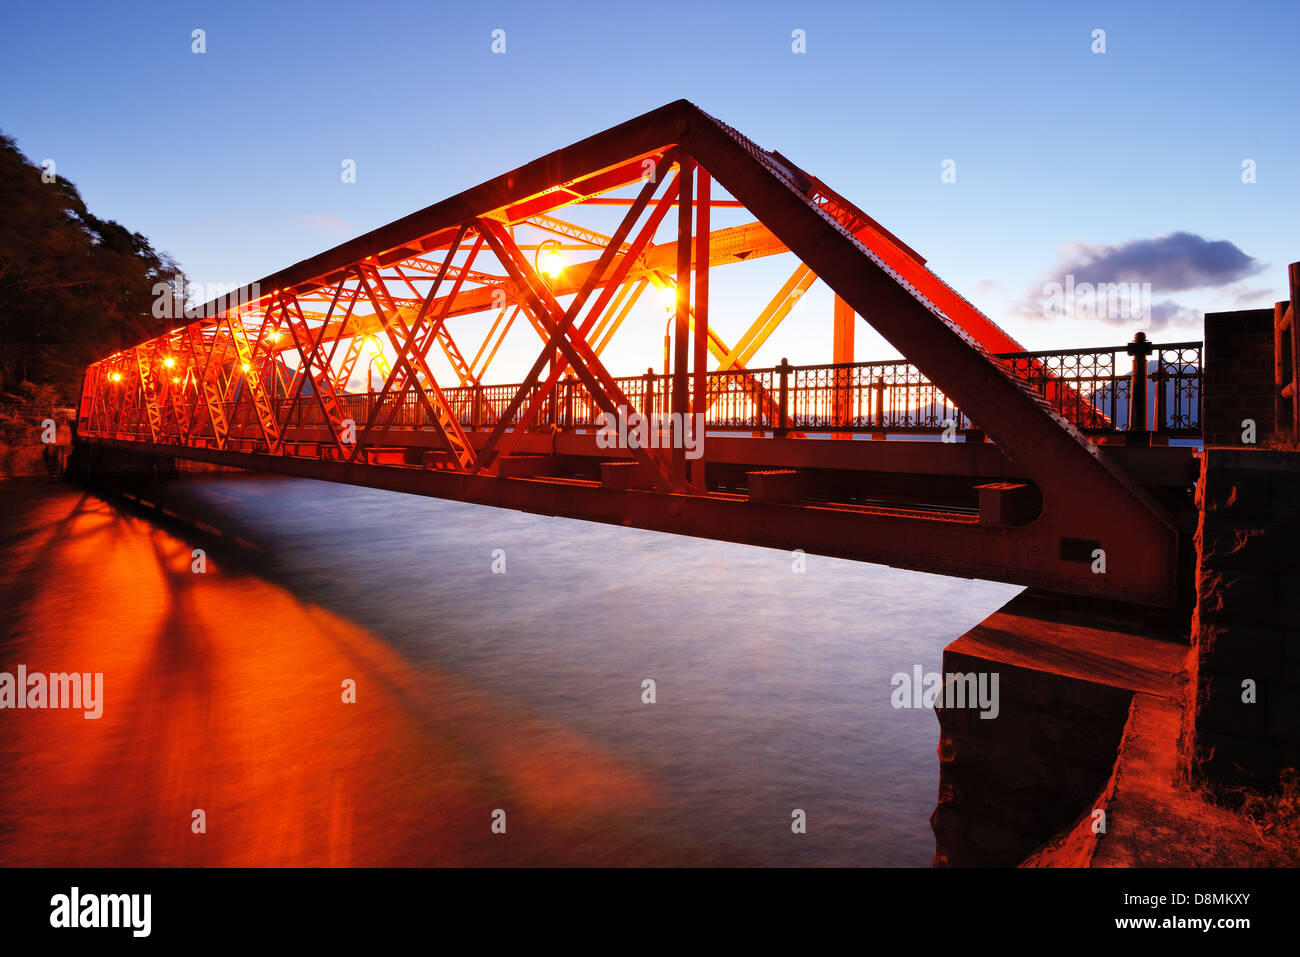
(1067, 676)
(1243, 725)
(1109, 721)
(92, 462)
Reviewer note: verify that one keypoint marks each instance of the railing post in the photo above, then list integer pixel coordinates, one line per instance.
(842, 398)
(1158, 377)
(783, 414)
(476, 409)
(1286, 359)
(879, 387)
(647, 400)
(1138, 433)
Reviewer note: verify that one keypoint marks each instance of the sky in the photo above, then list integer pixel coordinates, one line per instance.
(1117, 166)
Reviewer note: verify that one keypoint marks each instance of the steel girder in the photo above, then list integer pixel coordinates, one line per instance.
(1088, 500)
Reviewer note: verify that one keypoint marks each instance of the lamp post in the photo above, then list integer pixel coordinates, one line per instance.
(668, 297)
(547, 259)
(668, 344)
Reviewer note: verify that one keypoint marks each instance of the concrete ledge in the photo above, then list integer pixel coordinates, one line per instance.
(1064, 638)
(1067, 674)
(1151, 820)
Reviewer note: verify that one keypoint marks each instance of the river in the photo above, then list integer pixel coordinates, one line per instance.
(498, 661)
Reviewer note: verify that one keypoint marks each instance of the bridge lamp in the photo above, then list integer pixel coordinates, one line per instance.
(176, 380)
(115, 377)
(668, 296)
(375, 355)
(169, 362)
(245, 366)
(549, 260)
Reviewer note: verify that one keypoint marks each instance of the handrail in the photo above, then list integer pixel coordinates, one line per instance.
(1092, 388)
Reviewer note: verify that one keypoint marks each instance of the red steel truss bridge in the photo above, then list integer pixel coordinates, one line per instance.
(970, 456)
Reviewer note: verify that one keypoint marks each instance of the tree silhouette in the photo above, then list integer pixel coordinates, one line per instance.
(73, 287)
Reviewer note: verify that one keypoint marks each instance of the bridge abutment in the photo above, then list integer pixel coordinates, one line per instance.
(1238, 386)
(92, 462)
(1068, 672)
(1243, 722)
(1114, 731)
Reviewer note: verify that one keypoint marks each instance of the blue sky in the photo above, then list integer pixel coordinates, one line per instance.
(1065, 159)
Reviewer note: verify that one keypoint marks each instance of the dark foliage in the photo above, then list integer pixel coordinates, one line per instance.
(73, 287)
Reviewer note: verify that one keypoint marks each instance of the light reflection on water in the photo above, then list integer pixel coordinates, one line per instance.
(476, 690)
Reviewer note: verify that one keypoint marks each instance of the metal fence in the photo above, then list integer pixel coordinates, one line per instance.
(1090, 388)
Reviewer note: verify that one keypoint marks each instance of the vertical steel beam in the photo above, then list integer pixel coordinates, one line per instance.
(842, 353)
(681, 328)
(699, 398)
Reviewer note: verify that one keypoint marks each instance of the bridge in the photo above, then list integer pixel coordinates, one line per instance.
(970, 456)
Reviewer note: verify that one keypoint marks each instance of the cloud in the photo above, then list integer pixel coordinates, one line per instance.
(1106, 282)
(1259, 296)
(321, 223)
(1172, 263)
(1169, 313)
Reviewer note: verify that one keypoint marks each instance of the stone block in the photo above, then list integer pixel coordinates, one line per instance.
(1227, 757)
(1239, 496)
(1236, 596)
(1260, 545)
(1221, 710)
(1226, 648)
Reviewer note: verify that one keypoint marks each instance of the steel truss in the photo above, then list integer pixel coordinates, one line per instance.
(267, 375)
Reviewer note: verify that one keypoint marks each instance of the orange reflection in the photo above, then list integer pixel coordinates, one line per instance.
(222, 692)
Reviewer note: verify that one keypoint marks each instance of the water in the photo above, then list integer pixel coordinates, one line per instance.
(476, 691)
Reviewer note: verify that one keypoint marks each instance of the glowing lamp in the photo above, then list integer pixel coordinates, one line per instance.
(552, 263)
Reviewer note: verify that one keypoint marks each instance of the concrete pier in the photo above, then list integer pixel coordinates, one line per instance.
(1121, 732)
(1068, 674)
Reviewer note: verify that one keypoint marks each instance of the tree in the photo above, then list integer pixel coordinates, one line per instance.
(73, 287)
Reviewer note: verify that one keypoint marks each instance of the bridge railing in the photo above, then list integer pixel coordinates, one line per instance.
(1091, 388)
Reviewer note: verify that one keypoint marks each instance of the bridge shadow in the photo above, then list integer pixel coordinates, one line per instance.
(223, 693)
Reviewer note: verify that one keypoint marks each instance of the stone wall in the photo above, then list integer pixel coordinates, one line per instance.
(1009, 785)
(1246, 627)
(1238, 381)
